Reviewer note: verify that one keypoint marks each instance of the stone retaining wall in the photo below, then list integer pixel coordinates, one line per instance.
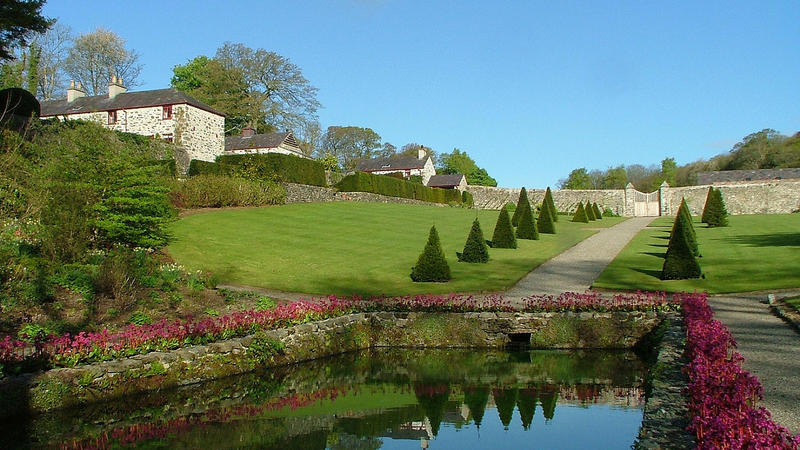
(64, 387)
(565, 199)
(303, 193)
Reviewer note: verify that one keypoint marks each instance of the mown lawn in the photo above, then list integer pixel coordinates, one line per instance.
(794, 302)
(756, 252)
(355, 248)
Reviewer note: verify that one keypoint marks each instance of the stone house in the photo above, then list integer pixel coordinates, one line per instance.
(421, 165)
(454, 181)
(251, 143)
(165, 113)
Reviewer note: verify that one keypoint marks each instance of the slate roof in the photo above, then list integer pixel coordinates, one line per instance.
(391, 163)
(728, 176)
(267, 140)
(125, 100)
(445, 180)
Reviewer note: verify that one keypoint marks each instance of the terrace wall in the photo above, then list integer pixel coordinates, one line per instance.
(65, 387)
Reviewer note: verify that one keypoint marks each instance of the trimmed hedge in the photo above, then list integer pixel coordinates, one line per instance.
(523, 199)
(596, 209)
(216, 191)
(393, 187)
(431, 265)
(546, 224)
(709, 201)
(680, 262)
(271, 166)
(580, 214)
(527, 227)
(475, 250)
(503, 236)
(717, 212)
(467, 199)
(589, 211)
(691, 236)
(548, 200)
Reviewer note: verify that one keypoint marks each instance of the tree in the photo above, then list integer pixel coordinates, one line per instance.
(526, 404)
(22, 72)
(412, 149)
(589, 211)
(386, 151)
(718, 213)
(669, 170)
(523, 198)
(709, 201)
(97, 56)
(53, 44)
(505, 400)
(503, 236)
(527, 227)
(350, 144)
(546, 224)
(596, 211)
(688, 227)
(476, 399)
(309, 137)
(679, 262)
(548, 200)
(19, 18)
(615, 178)
(475, 250)
(577, 179)
(751, 152)
(460, 162)
(580, 214)
(431, 265)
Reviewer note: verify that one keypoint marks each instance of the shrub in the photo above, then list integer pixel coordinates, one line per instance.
(527, 227)
(116, 276)
(596, 210)
(392, 187)
(680, 262)
(546, 223)
(523, 199)
(215, 191)
(688, 226)
(475, 250)
(548, 200)
(580, 214)
(717, 213)
(503, 236)
(467, 199)
(271, 166)
(198, 167)
(709, 201)
(589, 211)
(431, 265)
(140, 318)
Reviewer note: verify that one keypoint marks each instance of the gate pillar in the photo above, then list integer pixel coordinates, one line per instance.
(630, 200)
(663, 199)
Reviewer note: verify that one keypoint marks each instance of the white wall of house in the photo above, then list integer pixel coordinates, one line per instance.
(282, 149)
(426, 172)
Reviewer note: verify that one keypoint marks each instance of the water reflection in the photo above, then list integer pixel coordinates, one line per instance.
(389, 398)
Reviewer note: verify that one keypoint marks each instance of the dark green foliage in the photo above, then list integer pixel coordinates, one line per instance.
(20, 21)
(433, 399)
(270, 166)
(546, 223)
(548, 200)
(415, 179)
(467, 199)
(393, 187)
(549, 398)
(526, 404)
(709, 201)
(680, 262)
(523, 199)
(717, 212)
(688, 226)
(589, 211)
(503, 236)
(596, 210)
(476, 399)
(431, 265)
(580, 214)
(475, 250)
(505, 399)
(215, 191)
(527, 227)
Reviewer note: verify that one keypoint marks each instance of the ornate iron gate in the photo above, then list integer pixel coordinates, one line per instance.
(646, 205)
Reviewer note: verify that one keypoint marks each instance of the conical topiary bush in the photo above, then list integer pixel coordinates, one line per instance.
(523, 199)
(704, 217)
(679, 263)
(431, 265)
(548, 199)
(691, 235)
(589, 211)
(526, 228)
(503, 236)
(546, 224)
(596, 210)
(580, 214)
(718, 213)
(475, 249)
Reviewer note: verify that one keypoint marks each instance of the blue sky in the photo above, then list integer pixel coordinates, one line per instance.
(531, 90)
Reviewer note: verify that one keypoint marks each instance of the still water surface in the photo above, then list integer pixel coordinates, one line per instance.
(386, 398)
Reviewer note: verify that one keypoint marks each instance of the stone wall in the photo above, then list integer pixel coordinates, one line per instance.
(64, 387)
(303, 193)
(566, 200)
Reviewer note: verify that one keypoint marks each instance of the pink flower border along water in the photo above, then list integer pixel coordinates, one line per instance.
(722, 395)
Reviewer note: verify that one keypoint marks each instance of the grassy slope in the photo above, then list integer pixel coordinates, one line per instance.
(347, 248)
(756, 252)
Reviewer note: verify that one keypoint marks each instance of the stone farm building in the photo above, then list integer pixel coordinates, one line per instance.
(250, 143)
(167, 113)
(421, 165)
(454, 181)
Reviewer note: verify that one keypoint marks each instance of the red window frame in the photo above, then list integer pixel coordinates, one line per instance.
(166, 112)
(112, 117)
(168, 137)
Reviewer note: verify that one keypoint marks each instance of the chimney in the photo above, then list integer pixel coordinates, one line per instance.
(74, 93)
(421, 153)
(115, 87)
(248, 132)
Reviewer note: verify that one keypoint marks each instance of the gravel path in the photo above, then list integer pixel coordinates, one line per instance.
(575, 269)
(771, 349)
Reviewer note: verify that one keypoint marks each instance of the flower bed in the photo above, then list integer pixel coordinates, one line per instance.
(722, 395)
(69, 350)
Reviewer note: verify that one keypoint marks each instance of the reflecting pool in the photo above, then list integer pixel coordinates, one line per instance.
(382, 398)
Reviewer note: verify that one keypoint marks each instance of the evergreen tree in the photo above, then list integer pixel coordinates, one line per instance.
(549, 397)
(691, 236)
(523, 199)
(709, 196)
(503, 236)
(596, 210)
(475, 250)
(505, 400)
(589, 211)
(580, 214)
(546, 223)
(679, 262)
(526, 404)
(548, 199)
(433, 399)
(431, 265)
(718, 213)
(526, 228)
(476, 399)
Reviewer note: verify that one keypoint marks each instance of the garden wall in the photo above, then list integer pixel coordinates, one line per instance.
(565, 199)
(64, 387)
(303, 193)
